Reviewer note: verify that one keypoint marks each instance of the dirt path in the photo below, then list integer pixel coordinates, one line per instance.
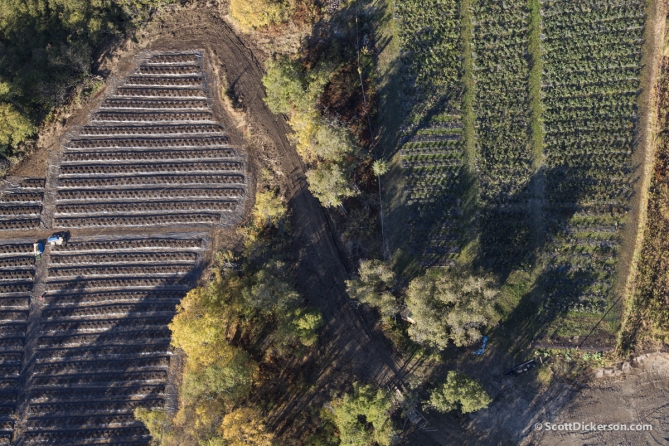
(638, 397)
(321, 268)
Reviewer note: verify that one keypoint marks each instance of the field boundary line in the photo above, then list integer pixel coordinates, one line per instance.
(651, 61)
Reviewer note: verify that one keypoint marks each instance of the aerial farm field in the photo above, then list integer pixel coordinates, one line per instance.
(522, 150)
(367, 223)
(85, 338)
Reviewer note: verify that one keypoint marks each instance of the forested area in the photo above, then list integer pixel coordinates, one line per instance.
(47, 53)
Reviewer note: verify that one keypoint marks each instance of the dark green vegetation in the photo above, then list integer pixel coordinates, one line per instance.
(591, 84)
(459, 393)
(431, 138)
(47, 49)
(549, 183)
(329, 95)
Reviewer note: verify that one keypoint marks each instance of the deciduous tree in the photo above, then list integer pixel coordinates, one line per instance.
(459, 393)
(252, 14)
(372, 286)
(449, 305)
(329, 185)
(362, 417)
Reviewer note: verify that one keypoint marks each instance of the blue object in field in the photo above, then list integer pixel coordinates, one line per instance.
(53, 239)
(40, 248)
(482, 349)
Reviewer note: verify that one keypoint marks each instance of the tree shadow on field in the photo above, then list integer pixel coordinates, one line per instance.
(98, 348)
(428, 225)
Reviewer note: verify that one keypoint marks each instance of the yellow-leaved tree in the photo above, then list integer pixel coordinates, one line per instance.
(253, 14)
(243, 427)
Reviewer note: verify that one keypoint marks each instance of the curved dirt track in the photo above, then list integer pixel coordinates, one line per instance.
(352, 346)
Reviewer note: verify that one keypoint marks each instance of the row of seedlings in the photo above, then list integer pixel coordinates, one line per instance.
(152, 155)
(503, 153)
(592, 67)
(21, 205)
(17, 270)
(431, 144)
(104, 344)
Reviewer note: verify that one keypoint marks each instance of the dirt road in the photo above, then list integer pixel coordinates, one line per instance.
(321, 269)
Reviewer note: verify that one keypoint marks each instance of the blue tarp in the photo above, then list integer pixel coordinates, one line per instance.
(482, 349)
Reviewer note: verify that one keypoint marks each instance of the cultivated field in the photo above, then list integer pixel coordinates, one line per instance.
(552, 88)
(153, 154)
(21, 204)
(102, 342)
(431, 146)
(83, 331)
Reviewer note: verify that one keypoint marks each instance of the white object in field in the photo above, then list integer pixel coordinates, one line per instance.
(55, 240)
(38, 248)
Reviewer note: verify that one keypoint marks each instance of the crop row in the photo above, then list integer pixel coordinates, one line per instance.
(32, 183)
(131, 244)
(112, 365)
(502, 99)
(16, 274)
(117, 283)
(122, 257)
(146, 322)
(152, 117)
(111, 309)
(99, 352)
(16, 261)
(148, 142)
(151, 130)
(430, 38)
(162, 92)
(126, 337)
(154, 104)
(20, 197)
(150, 180)
(94, 406)
(23, 224)
(173, 58)
(16, 248)
(125, 435)
(79, 422)
(15, 302)
(109, 169)
(86, 271)
(144, 81)
(15, 287)
(148, 155)
(592, 81)
(92, 393)
(74, 299)
(148, 194)
(176, 70)
(20, 210)
(144, 220)
(165, 206)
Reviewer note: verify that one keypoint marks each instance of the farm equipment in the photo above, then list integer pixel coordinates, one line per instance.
(59, 238)
(38, 249)
(524, 367)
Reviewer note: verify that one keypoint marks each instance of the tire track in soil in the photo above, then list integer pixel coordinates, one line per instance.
(322, 269)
